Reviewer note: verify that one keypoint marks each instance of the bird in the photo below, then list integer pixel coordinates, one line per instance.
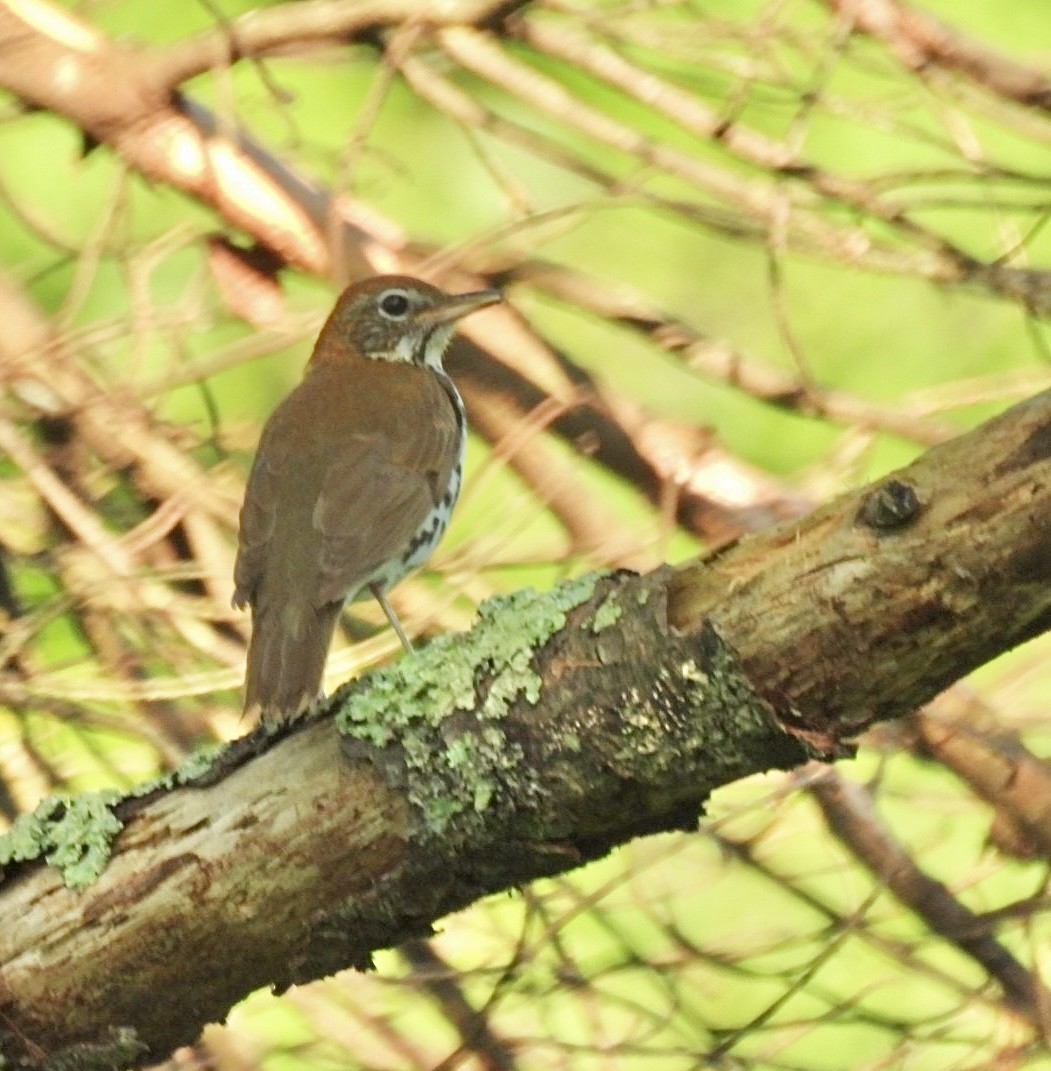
(354, 479)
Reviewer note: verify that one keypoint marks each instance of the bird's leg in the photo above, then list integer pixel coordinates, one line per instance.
(392, 617)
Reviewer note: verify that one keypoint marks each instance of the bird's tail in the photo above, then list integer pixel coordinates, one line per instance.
(286, 659)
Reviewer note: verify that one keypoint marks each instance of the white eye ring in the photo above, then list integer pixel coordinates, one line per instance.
(394, 304)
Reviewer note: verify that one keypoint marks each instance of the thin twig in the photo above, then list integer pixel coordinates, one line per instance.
(852, 818)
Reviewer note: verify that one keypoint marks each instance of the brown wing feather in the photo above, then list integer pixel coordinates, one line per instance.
(351, 477)
(258, 516)
(380, 490)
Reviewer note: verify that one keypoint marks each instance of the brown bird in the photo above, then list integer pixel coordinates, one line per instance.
(356, 475)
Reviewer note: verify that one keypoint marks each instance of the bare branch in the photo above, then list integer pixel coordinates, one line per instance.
(292, 27)
(920, 41)
(852, 817)
(721, 363)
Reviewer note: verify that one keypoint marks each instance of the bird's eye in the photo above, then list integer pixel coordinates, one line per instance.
(394, 304)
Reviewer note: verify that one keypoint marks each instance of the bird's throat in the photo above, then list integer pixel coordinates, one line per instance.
(426, 349)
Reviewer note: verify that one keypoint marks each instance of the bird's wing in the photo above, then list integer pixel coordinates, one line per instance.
(375, 495)
(341, 483)
(258, 516)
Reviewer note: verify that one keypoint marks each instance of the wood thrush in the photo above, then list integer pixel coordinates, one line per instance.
(356, 475)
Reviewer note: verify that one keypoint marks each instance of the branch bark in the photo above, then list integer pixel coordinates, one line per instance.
(561, 725)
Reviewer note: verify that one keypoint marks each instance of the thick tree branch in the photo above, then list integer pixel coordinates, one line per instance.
(560, 726)
(890, 579)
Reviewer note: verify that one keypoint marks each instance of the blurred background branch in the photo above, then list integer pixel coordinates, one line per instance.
(755, 252)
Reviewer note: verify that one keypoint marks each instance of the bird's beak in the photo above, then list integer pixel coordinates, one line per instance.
(457, 305)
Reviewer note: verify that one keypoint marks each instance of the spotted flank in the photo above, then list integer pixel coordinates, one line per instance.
(422, 544)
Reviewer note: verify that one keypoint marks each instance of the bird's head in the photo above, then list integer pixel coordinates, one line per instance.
(397, 318)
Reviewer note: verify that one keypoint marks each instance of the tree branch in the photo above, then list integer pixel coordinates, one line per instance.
(851, 815)
(561, 725)
(271, 31)
(921, 41)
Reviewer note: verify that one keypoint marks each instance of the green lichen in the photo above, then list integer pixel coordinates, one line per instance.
(571, 740)
(72, 833)
(453, 772)
(196, 764)
(608, 613)
(691, 672)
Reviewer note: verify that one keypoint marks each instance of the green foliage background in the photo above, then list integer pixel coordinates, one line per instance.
(758, 942)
